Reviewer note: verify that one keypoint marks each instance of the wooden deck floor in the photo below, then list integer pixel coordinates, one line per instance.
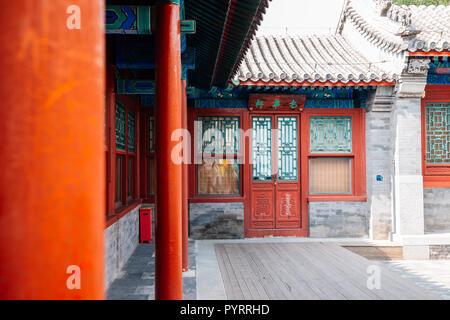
(284, 271)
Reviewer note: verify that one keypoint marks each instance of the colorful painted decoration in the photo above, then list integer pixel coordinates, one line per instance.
(220, 103)
(128, 19)
(135, 86)
(439, 71)
(330, 134)
(437, 133)
(329, 103)
(274, 102)
(139, 54)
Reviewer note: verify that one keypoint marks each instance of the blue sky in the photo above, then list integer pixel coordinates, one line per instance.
(301, 17)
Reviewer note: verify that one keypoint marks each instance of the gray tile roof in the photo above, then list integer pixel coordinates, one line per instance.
(434, 24)
(398, 28)
(308, 59)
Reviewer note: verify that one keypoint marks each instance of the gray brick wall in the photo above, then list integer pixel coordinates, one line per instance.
(216, 220)
(379, 151)
(440, 252)
(436, 210)
(121, 238)
(338, 219)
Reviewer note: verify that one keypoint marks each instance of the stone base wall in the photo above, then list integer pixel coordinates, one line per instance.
(121, 238)
(436, 210)
(441, 252)
(338, 219)
(216, 220)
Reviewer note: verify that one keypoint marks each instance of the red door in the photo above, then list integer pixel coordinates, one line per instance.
(275, 205)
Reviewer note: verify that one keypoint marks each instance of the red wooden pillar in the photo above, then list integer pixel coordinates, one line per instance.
(168, 266)
(185, 185)
(52, 185)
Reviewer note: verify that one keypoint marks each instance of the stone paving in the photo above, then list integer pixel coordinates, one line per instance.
(433, 275)
(137, 279)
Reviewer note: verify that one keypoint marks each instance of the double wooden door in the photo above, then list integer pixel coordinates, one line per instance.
(275, 172)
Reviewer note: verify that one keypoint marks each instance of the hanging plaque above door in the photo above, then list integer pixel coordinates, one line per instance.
(276, 102)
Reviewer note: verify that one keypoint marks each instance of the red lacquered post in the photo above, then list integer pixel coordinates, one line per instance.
(185, 184)
(168, 276)
(52, 185)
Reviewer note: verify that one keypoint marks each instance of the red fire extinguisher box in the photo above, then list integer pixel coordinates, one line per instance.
(145, 222)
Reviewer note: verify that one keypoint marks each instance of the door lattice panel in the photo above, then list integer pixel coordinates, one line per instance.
(437, 131)
(262, 148)
(287, 148)
(330, 134)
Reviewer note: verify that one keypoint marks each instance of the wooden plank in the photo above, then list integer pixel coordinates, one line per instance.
(393, 283)
(393, 286)
(305, 271)
(240, 273)
(251, 269)
(329, 272)
(283, 281)
(350, 280)
(313, 280)
(230, 281)
(266, 277)
(297, 287)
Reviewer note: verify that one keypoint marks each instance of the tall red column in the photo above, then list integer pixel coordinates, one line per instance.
(52, 181)
(168, 266)
(185, 185)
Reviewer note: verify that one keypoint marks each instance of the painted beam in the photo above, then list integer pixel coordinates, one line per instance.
(136, 20)
(127, 20)
(188, 26)
(135, 86)
(138, 54)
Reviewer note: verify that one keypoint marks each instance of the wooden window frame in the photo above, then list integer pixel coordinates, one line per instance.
(116, 210)
(146, 114)
(358, 154)
(193, 115)
(434, 175)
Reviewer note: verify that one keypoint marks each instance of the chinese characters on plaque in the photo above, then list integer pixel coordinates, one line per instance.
(276, 102)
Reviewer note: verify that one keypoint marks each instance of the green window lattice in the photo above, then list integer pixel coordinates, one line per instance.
(330, 134)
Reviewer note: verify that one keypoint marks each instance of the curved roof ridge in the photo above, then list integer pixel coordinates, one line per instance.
(313, 59)
(399, 27)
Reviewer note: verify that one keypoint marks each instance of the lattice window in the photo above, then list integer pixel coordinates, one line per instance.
(262, 148)
(287, 148)
(211, 128)
(120, 126)
(131, 132)
(330, 134)
(152, 135)
(437, 133)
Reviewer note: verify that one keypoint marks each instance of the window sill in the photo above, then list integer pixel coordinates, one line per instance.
(329, 198)
(216, 199)
(121, 212)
